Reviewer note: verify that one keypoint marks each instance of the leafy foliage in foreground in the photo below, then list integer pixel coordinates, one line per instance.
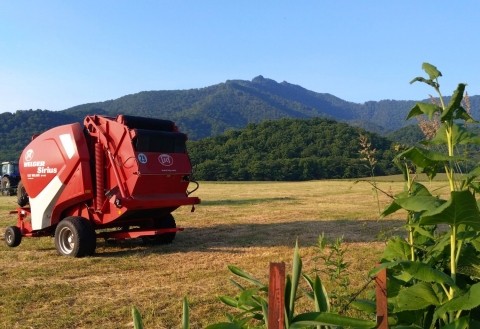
(434, 276)
(289, 149)
(250, 306)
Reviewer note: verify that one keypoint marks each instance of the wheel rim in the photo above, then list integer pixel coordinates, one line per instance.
(9, 237)
(66, 241)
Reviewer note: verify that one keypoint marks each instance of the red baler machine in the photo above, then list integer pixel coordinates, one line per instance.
(113, 178)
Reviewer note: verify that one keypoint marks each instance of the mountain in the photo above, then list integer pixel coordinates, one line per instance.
(235, 103)
(213, 110)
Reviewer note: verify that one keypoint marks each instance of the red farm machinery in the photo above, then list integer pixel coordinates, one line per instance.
(112, 178)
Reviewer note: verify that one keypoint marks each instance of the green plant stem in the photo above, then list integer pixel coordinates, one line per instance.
(375, 190)
(446, 290)
(453, 262)
(459, 249)
(459, 313)
(437, 89)
(410, 229)
(411, 238)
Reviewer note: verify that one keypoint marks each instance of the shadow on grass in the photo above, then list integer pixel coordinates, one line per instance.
(232, 238)
(242, 202)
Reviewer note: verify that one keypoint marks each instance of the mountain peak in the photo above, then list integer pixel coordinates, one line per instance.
(261, 80)
(258, 79)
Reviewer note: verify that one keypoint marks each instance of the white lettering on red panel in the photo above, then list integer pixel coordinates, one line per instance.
(42, 170)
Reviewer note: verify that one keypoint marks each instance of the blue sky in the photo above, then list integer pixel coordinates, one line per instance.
(57, 54)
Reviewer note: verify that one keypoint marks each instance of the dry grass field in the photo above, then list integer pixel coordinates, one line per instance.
(245, 224)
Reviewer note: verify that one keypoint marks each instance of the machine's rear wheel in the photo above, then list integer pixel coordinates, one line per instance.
(166, 222)
(75, 237)
(13, 236)
(22, 196)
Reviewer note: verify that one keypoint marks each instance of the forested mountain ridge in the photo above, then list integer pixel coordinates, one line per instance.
(233, 104)
(212, 110)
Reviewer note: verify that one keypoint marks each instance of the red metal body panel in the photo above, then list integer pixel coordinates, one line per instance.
(56, 153)
(55, 170)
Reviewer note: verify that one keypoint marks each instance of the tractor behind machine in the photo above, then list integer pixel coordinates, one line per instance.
(111, 178)
(10, 177)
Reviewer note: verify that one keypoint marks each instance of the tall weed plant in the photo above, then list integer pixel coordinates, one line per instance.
(433, 275)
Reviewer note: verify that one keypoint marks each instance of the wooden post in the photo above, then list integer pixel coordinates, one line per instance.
(381, 296)
(276, 296)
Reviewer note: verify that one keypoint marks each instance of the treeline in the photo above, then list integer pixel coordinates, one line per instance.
(18, 128)
(289, 150)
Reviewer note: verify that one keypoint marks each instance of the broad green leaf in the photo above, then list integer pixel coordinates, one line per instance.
(228, 301)
(465, 302)
(137, 318)
(417, 270)
(417, 297)
(238, 285)
(471, 176)
(462, 114)
(427, 81)
(460, 136)
(390, 209)
(419, 203)
(264, 305)
(239, 272)
(319, 293)
(296, 273)
(417, 189)
(422, 231)
(460, 323)
(288, 289)
(186, 314)
(453, 108)
(476, 244)
(322, 303)
(245, 298)
(461, 208)
(328, 319)
(431, 70)
(424, 272)
(427, 109)
(427, 161)
(438, 251)
(469, 262)
(366, 306)
(396, 249)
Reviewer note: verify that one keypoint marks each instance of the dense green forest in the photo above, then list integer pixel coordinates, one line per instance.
(19, 127)
(289, 149)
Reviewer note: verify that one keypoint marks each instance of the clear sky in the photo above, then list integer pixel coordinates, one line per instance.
(55, 54)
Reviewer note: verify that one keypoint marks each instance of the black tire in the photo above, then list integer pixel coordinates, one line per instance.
(6, 190)
(166, 222)
(22, 196)
(75, 237)
(13, 236)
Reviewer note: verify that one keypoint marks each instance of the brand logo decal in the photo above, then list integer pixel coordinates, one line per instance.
(142, 158)
(165, 160)
(41, 169)
(29, 155)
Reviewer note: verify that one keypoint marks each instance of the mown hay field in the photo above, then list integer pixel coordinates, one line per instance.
(245, 224)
